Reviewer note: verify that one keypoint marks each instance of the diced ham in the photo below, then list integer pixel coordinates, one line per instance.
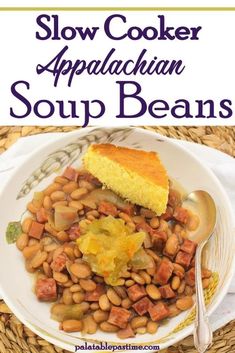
(46, 289)
(89, 177)
(41, 215)
(193, 262)
(129, 209)
(108, 208)
(36, 230)
(190, 277)
(119, 316)
(159, 311)
(145, 227)
(184, 259)
(95, 295)
(166, 292)
(126, 332)
(189, 246)
(142, 306)
(159, 239)
(59, 263)
(136, 292)
(164, 272)
(74, 232)
(174, 198)
(179, 271)
(168, 215)
(181, 214)
(70, 174)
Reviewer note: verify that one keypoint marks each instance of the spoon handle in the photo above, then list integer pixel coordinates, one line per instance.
(202, 332)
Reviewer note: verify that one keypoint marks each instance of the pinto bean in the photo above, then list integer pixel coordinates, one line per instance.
(30, 251)
(32, 208)
(76, 204)
(154, 222)
(139, 321)
(100, 316)
(175, 283)
(52, 188)
(152, 270)
(173, 310)
(206, 273)
(78, 297)
(26, 224)
(28, 266)
(104, 302)
(193, 222)
(178, 270)
(129, 283)
(87, 284)
(68, 284)
(138, 219)
(125, 217)
(51, 247)
(75, 288)
(126, 303)
(153, 291)
(61, 180)
(181, 287)
(163, 226)
(68, 250)
(113, 297)
(125, 274)
(38, 259)
(22, 241)
(94, 306)
(72, 325)
(172, 245)
(47, 269)
(188, 290)
(89, 325)
(184, 303)
(60, 203)
(77, 252)
(62, 236)
(70, 187)
(50, 230)
(141, 330)
(80, 270)
(205, 282)
(152, 327)
(78, 193)
(57, 196)
(137, 278)
(67, 297)
(60, 277)
(145, 276)
(107, 327)
(86, 184)
(47, 203)
(120, 291)
(153, 255)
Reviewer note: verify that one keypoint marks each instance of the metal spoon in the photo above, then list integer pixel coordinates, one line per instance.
(202, 204)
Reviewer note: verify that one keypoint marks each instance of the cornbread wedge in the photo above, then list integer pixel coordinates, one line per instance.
(135, 175)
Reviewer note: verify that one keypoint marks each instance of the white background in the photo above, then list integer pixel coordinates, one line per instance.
(119, 3)
(209, 73)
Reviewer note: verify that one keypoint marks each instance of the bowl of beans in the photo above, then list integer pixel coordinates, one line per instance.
(68, 273)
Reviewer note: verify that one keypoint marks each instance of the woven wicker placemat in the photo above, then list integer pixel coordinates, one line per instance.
(17, 338)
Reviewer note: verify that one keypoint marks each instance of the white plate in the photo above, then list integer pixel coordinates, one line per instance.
(39, 169)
